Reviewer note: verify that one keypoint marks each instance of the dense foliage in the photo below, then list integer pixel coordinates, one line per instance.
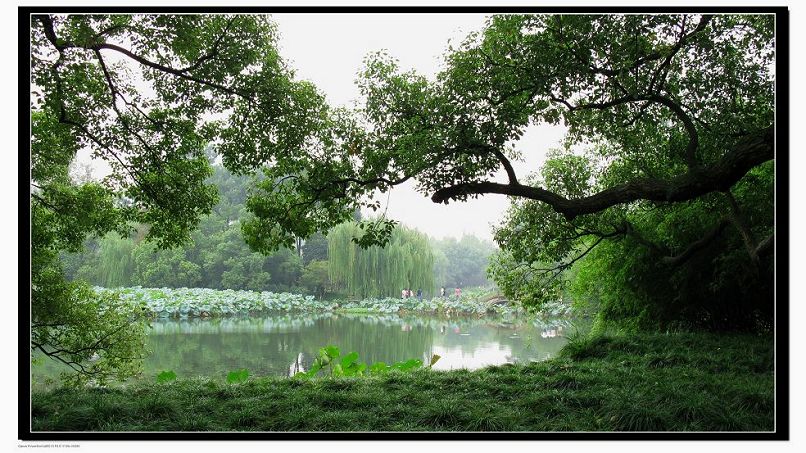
(685, 258)
(68, 320)
(218, 258)
(215, 257)
(405, 262)
(669, 118)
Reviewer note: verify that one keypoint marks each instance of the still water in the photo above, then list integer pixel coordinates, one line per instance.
(277, 345)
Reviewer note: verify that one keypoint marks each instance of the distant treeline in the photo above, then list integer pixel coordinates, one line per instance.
(217, 257)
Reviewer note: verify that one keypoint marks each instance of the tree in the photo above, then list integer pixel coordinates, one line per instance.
(688, 96)
(316, 278)
(170, 267)
(146, 93)
(662, 110)
(406, 261)
(315, 248)
(465, 261)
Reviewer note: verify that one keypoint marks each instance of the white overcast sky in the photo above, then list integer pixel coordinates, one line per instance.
(328, 50)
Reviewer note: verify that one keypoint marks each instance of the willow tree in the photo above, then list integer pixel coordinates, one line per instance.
(404, 262)
(115, 261)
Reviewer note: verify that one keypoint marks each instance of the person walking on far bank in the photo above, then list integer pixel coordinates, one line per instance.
(457, 292)
(420, 294)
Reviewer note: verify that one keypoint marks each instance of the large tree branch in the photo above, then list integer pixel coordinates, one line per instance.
(513, 178)
(60, 45)
(166, 69)
(695, 246)
(688, 124)
(718, 176)
(114, 94)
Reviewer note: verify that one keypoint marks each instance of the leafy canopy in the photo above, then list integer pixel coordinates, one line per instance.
(147, 94)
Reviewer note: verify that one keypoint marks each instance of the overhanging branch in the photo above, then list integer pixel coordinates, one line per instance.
(718, 176)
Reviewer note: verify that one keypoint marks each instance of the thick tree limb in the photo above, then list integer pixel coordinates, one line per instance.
(696, 246)
(688, 124)
(166, 69)
(718, 176)
(513, 179)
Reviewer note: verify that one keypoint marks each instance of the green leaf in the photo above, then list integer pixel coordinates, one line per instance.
(358, 368)
(408, 365)
(355, 369)
(378, 368)
(238, 376)
(166, 376)
(349, 359)
(315, 367)
(332, 351)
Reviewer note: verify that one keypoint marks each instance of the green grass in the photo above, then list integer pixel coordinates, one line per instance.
(679, 382)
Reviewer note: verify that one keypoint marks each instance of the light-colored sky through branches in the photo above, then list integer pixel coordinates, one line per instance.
(329, 50)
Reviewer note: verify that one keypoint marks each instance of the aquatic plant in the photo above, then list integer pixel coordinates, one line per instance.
(202, 302)
(330, 359)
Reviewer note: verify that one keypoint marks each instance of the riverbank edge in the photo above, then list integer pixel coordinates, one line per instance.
(638, 382)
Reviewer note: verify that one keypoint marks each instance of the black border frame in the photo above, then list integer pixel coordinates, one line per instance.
(782, 339)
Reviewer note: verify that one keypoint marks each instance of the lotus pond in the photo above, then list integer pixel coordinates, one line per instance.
(201, 302)
(281, 344)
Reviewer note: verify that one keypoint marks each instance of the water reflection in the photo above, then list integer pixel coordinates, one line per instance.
(284, 344)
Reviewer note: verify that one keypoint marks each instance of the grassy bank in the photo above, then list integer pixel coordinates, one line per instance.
(693, 382)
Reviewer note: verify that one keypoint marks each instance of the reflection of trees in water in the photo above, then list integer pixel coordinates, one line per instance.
(374, 338)
(272, 345)
(522, 341)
